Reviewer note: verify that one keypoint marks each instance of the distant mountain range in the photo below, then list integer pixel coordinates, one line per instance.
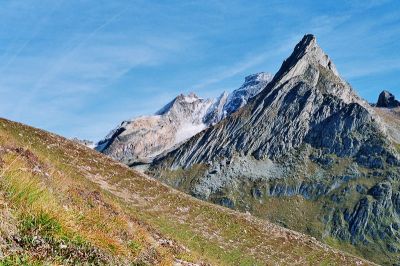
(140, 140)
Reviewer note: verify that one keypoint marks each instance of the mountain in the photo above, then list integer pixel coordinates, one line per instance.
(308, 153)
(139, 140)
(386, 99)
(62, 203)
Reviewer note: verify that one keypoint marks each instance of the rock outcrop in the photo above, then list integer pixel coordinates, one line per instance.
(307, 135)
(387, 100)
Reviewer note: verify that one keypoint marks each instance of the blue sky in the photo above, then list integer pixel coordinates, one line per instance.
(78, 68)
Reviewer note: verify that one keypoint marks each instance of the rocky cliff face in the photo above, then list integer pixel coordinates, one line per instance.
(139, 140)
(306, 152)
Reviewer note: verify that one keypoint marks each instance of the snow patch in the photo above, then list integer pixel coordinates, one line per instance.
(188, 130)
(191, 98)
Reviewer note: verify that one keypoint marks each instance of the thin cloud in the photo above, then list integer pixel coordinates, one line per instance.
(245, 64)
(35, 32)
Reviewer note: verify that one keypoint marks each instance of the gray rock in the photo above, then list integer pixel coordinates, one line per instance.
(387, 100)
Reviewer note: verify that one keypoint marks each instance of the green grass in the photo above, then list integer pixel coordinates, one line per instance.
(21, 260)
(85, 201)
(41, 223)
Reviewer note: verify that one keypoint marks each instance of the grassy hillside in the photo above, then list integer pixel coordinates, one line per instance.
(62, 203)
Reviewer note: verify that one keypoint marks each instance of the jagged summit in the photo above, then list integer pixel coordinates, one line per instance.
(252, 85)
(309, 63)
(181, 99)
(306, 52)
(387, 100)
(304, 96)
(191, 97)
(257, 77)
(306, 92)
(310, 50)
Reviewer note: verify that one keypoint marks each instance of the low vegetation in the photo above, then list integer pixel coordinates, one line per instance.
(62, 203)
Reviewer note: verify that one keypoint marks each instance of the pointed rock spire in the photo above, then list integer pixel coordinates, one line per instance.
(309, 63)
(305, 54)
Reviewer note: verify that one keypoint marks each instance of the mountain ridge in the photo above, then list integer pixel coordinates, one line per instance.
(307, 142)
(266, 97)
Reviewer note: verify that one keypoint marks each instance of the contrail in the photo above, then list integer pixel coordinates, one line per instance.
(60, 62)
(35, 33)
(58, 65)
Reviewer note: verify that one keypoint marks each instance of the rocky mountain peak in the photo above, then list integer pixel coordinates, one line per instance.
(182, 101)
(310, 50)
(191, 97)
(306, 102)
(306, 58)
(309, 63)
(252, 85)
(387, 100)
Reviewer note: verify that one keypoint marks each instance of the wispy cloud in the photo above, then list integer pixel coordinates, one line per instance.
(248, 62)
(91, 68)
